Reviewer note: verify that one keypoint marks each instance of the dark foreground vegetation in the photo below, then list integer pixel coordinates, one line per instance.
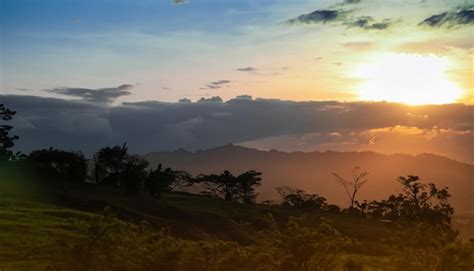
(60, 211)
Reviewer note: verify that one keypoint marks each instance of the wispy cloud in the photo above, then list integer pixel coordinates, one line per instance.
(217, 84)
(368, 23)
(318, 16)
(100, 95)
(247, 69)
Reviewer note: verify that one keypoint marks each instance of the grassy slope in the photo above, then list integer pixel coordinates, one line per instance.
(31, 229)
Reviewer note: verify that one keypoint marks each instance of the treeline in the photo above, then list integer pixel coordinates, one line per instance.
(116, 168)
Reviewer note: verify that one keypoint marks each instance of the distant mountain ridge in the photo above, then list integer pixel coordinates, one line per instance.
(311, 171)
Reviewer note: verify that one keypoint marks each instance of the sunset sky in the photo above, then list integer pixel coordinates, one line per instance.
(190, 49)
(97, 58)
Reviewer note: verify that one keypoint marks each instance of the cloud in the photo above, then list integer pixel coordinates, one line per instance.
(100, 95)
(217, 84)
(352, 1)
(358, 45)
(152, 125)
(247, 69)
(368, 23)
(180, 2)
(215, 99)
(340, 16)
(244, 97)
(460, 17)
(185, 100)
(318, 16)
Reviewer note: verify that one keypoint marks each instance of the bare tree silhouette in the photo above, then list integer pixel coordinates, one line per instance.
(353, 186)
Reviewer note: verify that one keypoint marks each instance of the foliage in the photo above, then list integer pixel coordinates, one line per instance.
(59, 166)
(299, 198)
(6, 140)
(419, 202)
(111, 244)
(134, 174)
(109, 163)
(230, 187)
(162, 180)
(303, 247)
(115, 166)
(431, 247)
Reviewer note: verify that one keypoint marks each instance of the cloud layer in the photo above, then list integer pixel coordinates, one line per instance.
(151, 126)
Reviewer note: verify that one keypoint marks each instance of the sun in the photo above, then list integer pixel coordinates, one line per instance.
(407, 78)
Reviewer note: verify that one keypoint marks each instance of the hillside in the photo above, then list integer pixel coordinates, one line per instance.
(312, 171)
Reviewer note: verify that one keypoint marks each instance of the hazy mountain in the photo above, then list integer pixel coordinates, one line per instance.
(311, 171)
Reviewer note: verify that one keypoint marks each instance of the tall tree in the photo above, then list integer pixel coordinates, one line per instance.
(109, 163)
(353, 186)
(59, 166)
(162, 180)
(133, 176)
(248, 181)
(115, 166)
(6, 140)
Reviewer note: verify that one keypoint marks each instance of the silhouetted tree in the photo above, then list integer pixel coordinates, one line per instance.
(299, 198)
(162, 180)
(231, 187)
(6, 140)
(59, 166)
(109, 163)
(352, 186)
(419, 202)
(133, 176)
(248, 181)
(115, 166)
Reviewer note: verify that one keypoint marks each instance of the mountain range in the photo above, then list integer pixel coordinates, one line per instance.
(312, 171)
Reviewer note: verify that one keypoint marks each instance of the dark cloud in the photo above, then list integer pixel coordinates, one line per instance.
(185, 100)
(152, 125)
(217, 84)
(339, 16)
(215, 99)
(460, 17)
(101, 95)
(247, 69)
(318, 16)
(368, 23)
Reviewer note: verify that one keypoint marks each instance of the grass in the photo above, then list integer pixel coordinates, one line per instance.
(33, 222)
(30, 232)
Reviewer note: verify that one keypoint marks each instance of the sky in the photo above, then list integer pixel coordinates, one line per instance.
(170, 50)
(107, 70)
